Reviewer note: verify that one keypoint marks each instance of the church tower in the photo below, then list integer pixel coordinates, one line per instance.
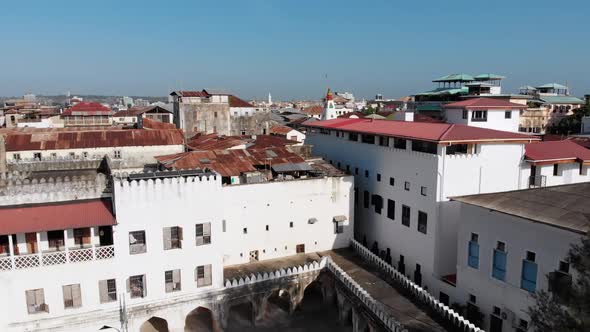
(329, 107)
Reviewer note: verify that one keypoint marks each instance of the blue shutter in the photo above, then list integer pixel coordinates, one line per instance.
(499, 269)
(473, 259)
(529, 276)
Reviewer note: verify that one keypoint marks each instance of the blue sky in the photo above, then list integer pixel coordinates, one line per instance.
(287, 47)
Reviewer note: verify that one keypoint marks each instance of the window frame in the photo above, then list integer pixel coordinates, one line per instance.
(203, 235)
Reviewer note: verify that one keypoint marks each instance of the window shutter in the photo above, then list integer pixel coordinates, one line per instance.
(67, 294)
(76, 296)
(180, 235)
(31, 300)
(128, 282)
(169, 287)
(39, 296)
(143, 279)
(197, 275)
(167, 238)
(176, 276)
(103, 291)
(207, 278)
(207, 229)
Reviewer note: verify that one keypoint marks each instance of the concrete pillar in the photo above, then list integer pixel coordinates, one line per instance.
(220, 312)
(92, 242)
(175, 322)
(11, 250)
(259, 307)
(344, 307)
(359, 322)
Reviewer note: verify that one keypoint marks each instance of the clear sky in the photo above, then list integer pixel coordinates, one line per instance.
(286, 47)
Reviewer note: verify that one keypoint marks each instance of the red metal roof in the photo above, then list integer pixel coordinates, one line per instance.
(154, 124)
(189, 93)
(237, 102)
(87, 109)
(556, 151)
(434, 132)
(230, 162)
(313, 110)
(280, 130)
(57, 216)
(484, 103)
(56, 139)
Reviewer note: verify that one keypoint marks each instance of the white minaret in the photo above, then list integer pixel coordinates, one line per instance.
(329, 107)
(269, 99)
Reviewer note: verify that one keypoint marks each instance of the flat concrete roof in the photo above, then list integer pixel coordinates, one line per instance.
(565, 206)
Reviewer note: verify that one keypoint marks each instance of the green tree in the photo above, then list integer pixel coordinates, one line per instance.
(567, 308)
(572, 124)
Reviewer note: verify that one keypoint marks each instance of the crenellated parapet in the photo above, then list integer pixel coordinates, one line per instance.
(20, 188)
(417, 292)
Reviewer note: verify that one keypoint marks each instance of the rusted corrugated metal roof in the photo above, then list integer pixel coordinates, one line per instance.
(49, 217)
(280, 130)
(230, 162)
(82, 139)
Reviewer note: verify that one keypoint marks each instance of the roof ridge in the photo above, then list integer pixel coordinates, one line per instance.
(442, 136)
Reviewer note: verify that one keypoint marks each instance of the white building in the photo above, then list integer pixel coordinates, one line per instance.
(173, 233)
(509, 242)
(405, 173)
(239, 107)
(129, 148)
(134, 115)
(288, 132)
(335, 106)
(488, 113)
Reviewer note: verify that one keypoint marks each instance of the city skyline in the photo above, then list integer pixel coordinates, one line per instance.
(294, 51)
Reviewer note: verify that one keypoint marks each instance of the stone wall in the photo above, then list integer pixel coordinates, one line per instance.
(258, 123)
(204, 117)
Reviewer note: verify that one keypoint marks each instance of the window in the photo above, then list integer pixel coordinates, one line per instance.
(356, 171)
(423, 146)
(245, 230)
(366, 173)
(36, 301)
(203, 275)
(353, 137)
(564, 267)
(407, 186)
(378, 177)
(392, 182)
(356, 196)
(172, 238)
(465, 114)
(366, 199)
(72, 296)
(136, 286)
(215, 114)
(473, 251)
(82, 237)
(457, 149)
(422, 222)
(481, 116)
(107, 290)
(499, 262)
(383, 140)
(556, 170)
(117, 154)
(399, 143)
(16, 156)
(508, 115)
(391, 209)
(37, 155)
(203, 233)
(267, 228)
(369, 139)
(223, 226)
(137, 244)
(72, 155)
(290, 224)
(523, 326)
(338, 227)
(172, 280)
(378, 203)
(56, 240)
(528, 279)
(84, 154)
(423, 191)
(406, 215)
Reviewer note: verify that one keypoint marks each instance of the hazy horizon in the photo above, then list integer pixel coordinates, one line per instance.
(292, 49)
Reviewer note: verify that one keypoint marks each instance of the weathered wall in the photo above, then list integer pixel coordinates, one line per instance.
(259, 123)
(204, 117)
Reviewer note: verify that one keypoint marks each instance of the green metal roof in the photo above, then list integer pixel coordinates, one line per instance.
(444, 91)
(486, 77)
(455, 78)
(428, 108)
(552, 86)
(561, 100)
(478, 84)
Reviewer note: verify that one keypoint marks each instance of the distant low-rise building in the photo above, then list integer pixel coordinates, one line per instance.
(485, 113)
(87, 114)
(288, 133)
(134, 115)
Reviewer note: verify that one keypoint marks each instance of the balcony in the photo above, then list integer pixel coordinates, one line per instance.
(57, 257)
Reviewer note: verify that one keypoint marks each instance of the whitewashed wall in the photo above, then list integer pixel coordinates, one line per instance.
(550, 244)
